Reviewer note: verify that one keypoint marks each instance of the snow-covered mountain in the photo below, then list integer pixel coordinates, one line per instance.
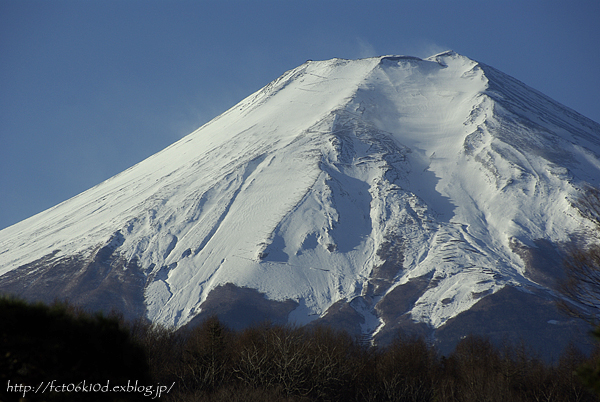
(373, 194)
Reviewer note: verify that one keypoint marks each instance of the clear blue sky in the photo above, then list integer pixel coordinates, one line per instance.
(88, 88)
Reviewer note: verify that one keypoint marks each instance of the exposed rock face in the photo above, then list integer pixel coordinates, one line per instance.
(101, 282)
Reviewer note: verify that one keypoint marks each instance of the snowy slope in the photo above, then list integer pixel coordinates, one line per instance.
(340, 179)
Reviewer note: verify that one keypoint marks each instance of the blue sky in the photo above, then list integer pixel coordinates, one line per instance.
(88, 88)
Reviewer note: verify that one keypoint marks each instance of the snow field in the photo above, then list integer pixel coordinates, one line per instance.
(296, 191)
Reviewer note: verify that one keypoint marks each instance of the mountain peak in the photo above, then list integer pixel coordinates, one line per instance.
(391, 192)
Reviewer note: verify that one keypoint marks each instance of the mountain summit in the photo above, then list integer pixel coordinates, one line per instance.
(377, 194)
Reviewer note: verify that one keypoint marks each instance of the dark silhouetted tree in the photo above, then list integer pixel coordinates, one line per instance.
(41, 343)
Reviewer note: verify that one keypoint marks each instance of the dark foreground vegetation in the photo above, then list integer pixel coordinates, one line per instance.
(41, 343)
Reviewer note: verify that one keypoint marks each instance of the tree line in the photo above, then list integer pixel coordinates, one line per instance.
(268, 362)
